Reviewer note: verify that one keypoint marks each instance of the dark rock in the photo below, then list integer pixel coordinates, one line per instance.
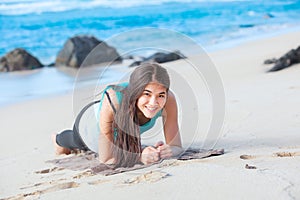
(246, 25)
(160, 57)
(137, 60)
(135, 63)
(77, 48)
(18, 59)
(268, 16)
(165, 57)
(270, 61)
(50, 65)
(133, 57)
(288, 59)
(129, 57)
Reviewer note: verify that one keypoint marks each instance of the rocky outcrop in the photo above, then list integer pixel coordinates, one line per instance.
(288, 59)
(77, 48)
(160, 57)
(18, 59)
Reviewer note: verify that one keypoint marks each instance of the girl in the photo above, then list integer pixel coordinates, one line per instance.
(126, 111)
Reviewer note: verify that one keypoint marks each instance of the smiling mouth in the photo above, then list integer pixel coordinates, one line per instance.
(151, 108)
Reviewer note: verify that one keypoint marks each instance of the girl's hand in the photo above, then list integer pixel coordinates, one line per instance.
(167, 151)
(150, 155)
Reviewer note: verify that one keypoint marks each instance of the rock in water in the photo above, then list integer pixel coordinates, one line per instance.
(18, 59)
(165, 57)
(160, 57)
(76, 50)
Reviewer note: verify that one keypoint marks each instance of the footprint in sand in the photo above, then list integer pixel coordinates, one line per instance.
(278, 154)
(287, 154)
(46, 171)
(83, 175)
(247, 157)
(61, 186)
(168, 163)
(43, 184)
(150, 177)
(97, 182)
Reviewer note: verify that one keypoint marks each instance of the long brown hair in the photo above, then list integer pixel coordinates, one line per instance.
(127, 144)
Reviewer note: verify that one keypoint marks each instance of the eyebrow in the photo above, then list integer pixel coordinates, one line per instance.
(151, 91)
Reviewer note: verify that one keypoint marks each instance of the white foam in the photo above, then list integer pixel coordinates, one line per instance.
(20, 7)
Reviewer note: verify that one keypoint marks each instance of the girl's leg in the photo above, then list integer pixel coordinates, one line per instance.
(59, 149)
(67, 141)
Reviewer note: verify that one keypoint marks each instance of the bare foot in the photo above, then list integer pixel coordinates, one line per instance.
(59, 149)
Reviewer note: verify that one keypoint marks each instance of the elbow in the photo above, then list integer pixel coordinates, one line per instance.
(177, 150)
(107, 160)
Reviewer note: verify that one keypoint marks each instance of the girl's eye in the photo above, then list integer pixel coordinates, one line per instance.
(162, 96)
(146, 94)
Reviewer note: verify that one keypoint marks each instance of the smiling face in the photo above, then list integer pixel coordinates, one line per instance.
(152, 100)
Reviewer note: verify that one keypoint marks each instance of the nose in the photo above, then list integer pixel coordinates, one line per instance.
(153, 101)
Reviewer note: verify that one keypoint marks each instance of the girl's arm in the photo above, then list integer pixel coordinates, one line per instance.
(105, 141)
(173, 146)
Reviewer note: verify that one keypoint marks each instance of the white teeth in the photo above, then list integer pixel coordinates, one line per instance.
(151, 109)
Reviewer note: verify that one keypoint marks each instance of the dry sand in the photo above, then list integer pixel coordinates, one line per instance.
(261, 137)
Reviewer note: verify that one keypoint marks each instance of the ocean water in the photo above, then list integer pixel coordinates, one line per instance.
(42, 27)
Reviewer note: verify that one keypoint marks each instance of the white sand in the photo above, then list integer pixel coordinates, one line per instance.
(262, 118)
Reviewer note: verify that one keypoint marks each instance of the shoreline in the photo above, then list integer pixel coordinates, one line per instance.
(260, 130)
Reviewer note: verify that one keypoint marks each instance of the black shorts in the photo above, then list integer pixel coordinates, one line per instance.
(71, 139)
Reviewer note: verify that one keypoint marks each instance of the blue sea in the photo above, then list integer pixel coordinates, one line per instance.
(42, 27)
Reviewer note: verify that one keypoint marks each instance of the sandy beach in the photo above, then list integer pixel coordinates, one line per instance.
(260, 137)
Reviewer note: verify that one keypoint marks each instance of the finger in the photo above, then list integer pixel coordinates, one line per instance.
(154, 157)
(163, 147)
(153, 149)
(150, 159)
(166, 153)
